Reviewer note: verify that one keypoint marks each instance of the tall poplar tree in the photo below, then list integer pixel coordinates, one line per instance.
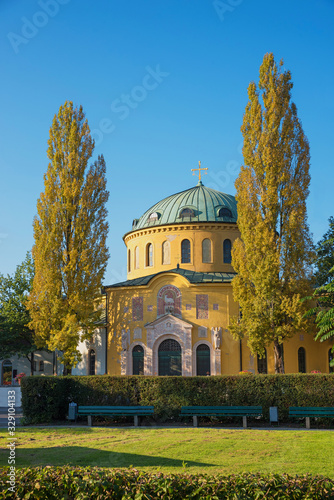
(70, 231)
(273, 257)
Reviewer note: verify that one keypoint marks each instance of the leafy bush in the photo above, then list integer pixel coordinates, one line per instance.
(46, 399)
(79, 483)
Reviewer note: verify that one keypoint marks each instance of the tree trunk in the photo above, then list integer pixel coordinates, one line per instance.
(32, 363)
(279, 364)
(67, 370)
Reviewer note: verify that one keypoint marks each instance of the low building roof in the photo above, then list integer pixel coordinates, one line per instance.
(192, 276)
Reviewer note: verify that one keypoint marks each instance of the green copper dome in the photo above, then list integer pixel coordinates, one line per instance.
(197, 204)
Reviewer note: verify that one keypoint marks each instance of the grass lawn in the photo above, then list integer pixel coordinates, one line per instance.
(176, 450)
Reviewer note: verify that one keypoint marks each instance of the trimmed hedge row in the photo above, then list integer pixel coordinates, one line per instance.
(75, 483)
(46, 399)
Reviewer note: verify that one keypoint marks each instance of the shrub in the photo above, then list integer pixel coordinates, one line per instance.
(46, 399)
(81, 483)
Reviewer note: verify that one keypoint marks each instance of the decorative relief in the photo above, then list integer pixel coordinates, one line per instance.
(188, 307)
(149, 308)
(169, 301)
(137, 333)
(215, 307)
(202, 331)
(126, 309)
(202, 306)
(137, 309)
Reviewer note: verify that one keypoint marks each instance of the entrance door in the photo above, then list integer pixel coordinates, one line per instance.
(170, 358)
(203, 360)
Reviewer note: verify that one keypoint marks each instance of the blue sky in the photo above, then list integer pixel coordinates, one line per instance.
(163, 85)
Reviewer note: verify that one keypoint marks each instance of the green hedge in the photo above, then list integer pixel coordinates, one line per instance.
(46, 399)
(75, 483)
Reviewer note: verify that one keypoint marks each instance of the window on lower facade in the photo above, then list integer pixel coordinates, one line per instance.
(138, 360)
(301, 360)
(136, 256)
(227, 246)
(185, 252)
(262, 365)
(149, 255)
(166, 252)
(129, 261)
(203, 365)
(41, 366)
(206, 251)
(91, 362)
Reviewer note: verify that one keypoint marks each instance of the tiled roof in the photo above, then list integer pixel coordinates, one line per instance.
(191, 276)
(203, 202)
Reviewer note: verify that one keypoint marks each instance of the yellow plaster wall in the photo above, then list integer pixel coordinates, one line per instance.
(220, 293)
(175, 233)
(120, 298)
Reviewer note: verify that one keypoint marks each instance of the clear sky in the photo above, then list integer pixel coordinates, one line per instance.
(163, 85)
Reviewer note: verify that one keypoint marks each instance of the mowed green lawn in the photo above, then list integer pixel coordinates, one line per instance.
(176, 450)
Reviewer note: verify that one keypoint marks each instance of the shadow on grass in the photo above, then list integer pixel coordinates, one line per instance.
(77, 455)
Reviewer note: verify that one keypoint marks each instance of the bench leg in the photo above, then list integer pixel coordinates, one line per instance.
(308, 425)
(89, 421)
(244, 422)
(195, 421)
(136, 420)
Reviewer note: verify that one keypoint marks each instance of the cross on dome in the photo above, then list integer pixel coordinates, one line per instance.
(199, 171)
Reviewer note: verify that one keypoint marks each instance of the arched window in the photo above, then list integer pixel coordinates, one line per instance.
(301, 360)
(138, 360)
(203, 360)
(330, 358)
(170, 358)
(166, 252)
(149, 255)
(185, 252)
(262, 364)
(153, 217)
(206, 250)
(6, 377)
(129, 260)
(136, 266)
(225, 212)
(187, 213)
(227, 245)
(91, 362)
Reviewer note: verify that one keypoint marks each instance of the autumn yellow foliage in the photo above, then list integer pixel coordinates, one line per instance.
(273, 256)
(70, 231)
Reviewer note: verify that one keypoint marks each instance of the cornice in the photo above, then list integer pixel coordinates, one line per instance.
(173, 228)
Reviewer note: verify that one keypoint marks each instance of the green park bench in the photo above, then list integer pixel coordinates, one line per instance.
(221, 411)
(308, 412)
(115, 411)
